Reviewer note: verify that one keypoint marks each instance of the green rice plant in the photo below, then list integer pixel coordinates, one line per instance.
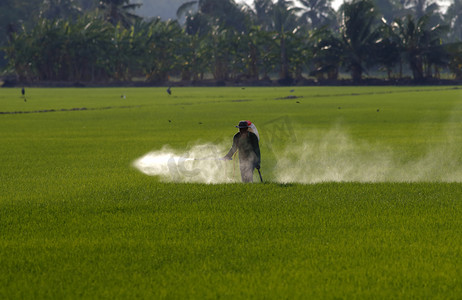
(368, 207)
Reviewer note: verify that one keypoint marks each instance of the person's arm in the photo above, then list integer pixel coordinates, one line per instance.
(233, 148)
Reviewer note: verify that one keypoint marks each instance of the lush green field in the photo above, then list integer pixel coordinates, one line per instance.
(362, 196)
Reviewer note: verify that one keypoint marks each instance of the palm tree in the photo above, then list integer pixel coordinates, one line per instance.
(284, 22)
(420, 43)
(225, 12)
(420, 8)
(55, 9)
(387, 49)
(87, 5)
(391, 9)
(327, 54)
(317, 13)
(115, 11)
(454, 19)
(261, 14)
(358, 35)
(430, 8)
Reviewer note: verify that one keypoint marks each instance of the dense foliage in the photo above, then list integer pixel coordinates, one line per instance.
(84, 42)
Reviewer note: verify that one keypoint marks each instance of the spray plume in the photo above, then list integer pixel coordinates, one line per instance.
(332, 156)
(336, 157)
(200, 164)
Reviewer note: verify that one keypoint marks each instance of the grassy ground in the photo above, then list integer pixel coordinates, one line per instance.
(77, 220)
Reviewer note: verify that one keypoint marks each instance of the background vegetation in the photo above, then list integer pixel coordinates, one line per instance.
(82, 41)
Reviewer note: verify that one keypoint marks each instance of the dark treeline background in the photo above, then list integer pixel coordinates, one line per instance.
(106, 41)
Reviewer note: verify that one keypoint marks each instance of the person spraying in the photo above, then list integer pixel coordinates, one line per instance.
(247, 142)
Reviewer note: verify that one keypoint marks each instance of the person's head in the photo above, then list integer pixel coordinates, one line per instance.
(243, 126)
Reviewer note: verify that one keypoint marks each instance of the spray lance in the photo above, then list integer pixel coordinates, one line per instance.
(259, 173)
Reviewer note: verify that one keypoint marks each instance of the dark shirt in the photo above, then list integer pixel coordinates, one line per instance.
(249, 150)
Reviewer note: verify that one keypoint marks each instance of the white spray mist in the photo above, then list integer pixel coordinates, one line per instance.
(336, 157)
(201, 164)
(332, 156)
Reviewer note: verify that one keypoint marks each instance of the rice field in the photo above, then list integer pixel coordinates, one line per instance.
(361, 195)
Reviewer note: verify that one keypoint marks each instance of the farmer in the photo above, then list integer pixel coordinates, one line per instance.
(246, 142)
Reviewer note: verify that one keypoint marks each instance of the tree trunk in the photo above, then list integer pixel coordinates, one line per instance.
(356, 73)
(415, 64)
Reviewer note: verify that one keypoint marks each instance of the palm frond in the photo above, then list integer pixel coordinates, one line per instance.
(185, 8)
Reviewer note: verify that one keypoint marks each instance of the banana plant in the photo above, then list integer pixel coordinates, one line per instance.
(455, 64)
(162, 50)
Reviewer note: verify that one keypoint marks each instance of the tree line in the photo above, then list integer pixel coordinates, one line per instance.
(237, 42)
